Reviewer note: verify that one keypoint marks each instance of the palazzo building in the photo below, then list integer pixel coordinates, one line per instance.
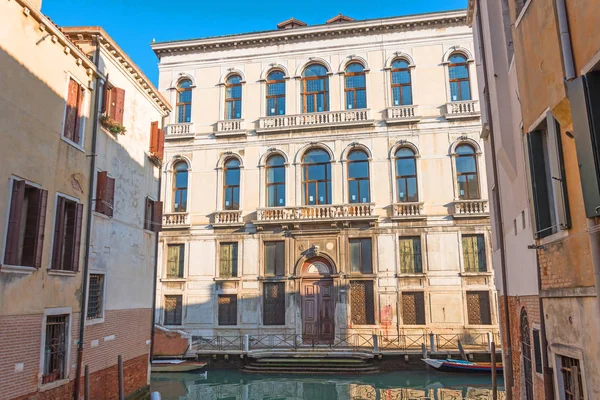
(325, 180)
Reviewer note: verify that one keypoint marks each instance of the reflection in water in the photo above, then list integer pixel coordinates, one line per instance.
(400, 385)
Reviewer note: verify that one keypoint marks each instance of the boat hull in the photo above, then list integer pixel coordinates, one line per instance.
(182, 367)
(462, 366)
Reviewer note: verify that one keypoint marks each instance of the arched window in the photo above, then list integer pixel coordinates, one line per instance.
(180, 187)
(358, 177)
(315, 89)
(460, 86)
(406, 176)
(356, 93)
(231, 188)
(184, 101)
(526, 354)
(316, 177)
(276, 93)
(466, 173)
(276, 181)
(233, 97)
(401, 84)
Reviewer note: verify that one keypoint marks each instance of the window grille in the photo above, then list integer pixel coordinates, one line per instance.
(95, 296)
(274, 303)
(362, 302)
(55, 349)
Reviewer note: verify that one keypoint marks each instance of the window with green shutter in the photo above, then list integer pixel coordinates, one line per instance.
(410, 255)
(175, 259)
(474, 253)
(228, 260)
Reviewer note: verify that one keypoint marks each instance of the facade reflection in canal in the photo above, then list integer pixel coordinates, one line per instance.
(232, 385)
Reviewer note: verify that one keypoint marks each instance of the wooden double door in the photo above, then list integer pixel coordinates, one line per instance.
(318, 307)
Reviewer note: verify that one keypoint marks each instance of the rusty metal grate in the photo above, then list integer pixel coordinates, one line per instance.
(274, 303)
(173, 310)
(572, 381)
(413, 308)
(56, 348)
(478, 308)
(361, 302)
(95, 298)
(227, 309)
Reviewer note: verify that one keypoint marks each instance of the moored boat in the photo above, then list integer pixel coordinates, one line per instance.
(176, 366)
(450, 365)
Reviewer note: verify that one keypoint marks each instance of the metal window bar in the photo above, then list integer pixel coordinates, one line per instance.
(572, 384)
(96, 289)
(55, 348)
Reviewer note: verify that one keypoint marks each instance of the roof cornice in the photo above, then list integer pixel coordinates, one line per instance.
(88, 33)
(323, 31)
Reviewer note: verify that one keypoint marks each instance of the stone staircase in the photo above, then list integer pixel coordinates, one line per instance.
(311, 363)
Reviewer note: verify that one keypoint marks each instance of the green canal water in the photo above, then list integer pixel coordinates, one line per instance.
(400, 385)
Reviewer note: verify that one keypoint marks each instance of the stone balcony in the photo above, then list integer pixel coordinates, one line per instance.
(230, 127)
(320, 213)
(344, 118)
(471, 209)
(228, 218)
(462, 109)
(408, 211)
(402, 114)
(179, 131)
(177, 220)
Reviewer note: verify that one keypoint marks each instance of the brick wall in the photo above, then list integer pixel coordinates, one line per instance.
(104, 384)
(566, 263)
(169, 343)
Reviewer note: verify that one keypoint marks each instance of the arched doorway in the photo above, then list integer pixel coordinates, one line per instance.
(318, 302)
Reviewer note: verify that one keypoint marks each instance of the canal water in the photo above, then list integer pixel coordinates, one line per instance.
(400, 385)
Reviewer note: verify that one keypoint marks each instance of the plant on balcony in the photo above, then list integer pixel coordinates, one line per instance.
(112, 126)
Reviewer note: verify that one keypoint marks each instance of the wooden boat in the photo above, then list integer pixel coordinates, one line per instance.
(450, 365)
(176, 366)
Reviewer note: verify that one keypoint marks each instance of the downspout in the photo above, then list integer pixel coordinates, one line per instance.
(565, 40)
(88, 231)
(488, 107)
(151, 355)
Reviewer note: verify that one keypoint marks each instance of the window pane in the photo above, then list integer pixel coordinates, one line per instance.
(238, 109)
(473, 187)
(358, 169)
(465, 90)
(454, 91)
(311, 199)
(361, 99)
(271, 199)
(353, 191)
(458, 72)
(316, 172)
(411, 190)
(271, 110)
(366, 257)
(355, 256)
(406, 96)
(181, 179)
(321, 103)
(236, 198)
(396, 95)
(280, 195)
(229, 110)
(310, 104)
(185, 96)
(280, 258)
(365, 196)
(465, 164)
(402, 195)
(281, 105)
(323, 198)
(232, 177)
(349, 100)
(405, 166)
(314, 70)
(275, 175)
(181, 113)
(462, 187)
(270, 258)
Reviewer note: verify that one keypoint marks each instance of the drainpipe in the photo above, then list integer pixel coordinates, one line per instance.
(565, 40)
(508, 349)
(88, 231)
(156, 243)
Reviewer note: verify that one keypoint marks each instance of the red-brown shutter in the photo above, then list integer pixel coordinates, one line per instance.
(147, 223)
(71, 112)
(157, 216)
(41, 226)
(11, 255)
(105, 96)
(161, 144)
(101, 192)
(79, 113)
(30, 237)
(77, 235)
(59, 228)
(109, 197)
(154, 137)
(119, 99)
(112, 103)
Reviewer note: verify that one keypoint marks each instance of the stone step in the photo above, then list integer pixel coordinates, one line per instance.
(319, 360)
(311, 370)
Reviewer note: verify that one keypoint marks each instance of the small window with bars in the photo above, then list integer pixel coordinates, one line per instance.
(173, 309)
(478, 308)
(175, 259)
(474, 259)
(227, 309)
(55, 348)
(95, 307)
(572, 380)
(413, 308)
(410, 255)
(362, 307)
(274, 303)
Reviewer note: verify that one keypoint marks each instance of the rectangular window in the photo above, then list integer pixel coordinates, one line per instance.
(227, 309)
(67, 235)
(361, 259)
(478, 308)
(55, 348)
(413, 308)
(275, 258)
(153, 215)
(26, 223)
(274, 303)
(362, 302)
(173, 309)
(571, 376)
(115, 103)
(228, 260)
(73, 111)
(175, 259)
(105, 194)
(95, 307)
(537, 346)
(474, 253)
(410, 255)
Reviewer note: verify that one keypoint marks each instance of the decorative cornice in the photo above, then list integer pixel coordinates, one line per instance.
(315, 32)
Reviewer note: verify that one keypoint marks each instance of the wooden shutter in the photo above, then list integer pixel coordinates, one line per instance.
(154, 137)
(557, 168)
(147, 222)
(161, 144)
(157, 207)
(11, 255)
(35, 206)
(41, 226)
(59, 228)
(109, 196)
(71, 111)
(101, 191)
(539, 187)
(118, 95)
(77, 236)
(78, 114)
(105, 96)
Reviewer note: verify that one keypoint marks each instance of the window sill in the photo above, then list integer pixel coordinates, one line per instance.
(233, 278)
(48, 386)
(173, 280)
(72, 143)
(483, 273)
(411, 275)
(17, 269)
(273, 278)
(173, 326)
(94, 321)
(415, 326)
(360, 276)
(60, 272)
(100, 215)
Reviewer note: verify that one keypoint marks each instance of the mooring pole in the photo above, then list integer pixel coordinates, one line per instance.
(121, 389)
(494, 379)
(86, 387)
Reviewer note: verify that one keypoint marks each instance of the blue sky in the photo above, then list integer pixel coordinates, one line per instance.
(134, 23)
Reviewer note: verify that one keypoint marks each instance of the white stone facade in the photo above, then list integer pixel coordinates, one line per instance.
(432, 127)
